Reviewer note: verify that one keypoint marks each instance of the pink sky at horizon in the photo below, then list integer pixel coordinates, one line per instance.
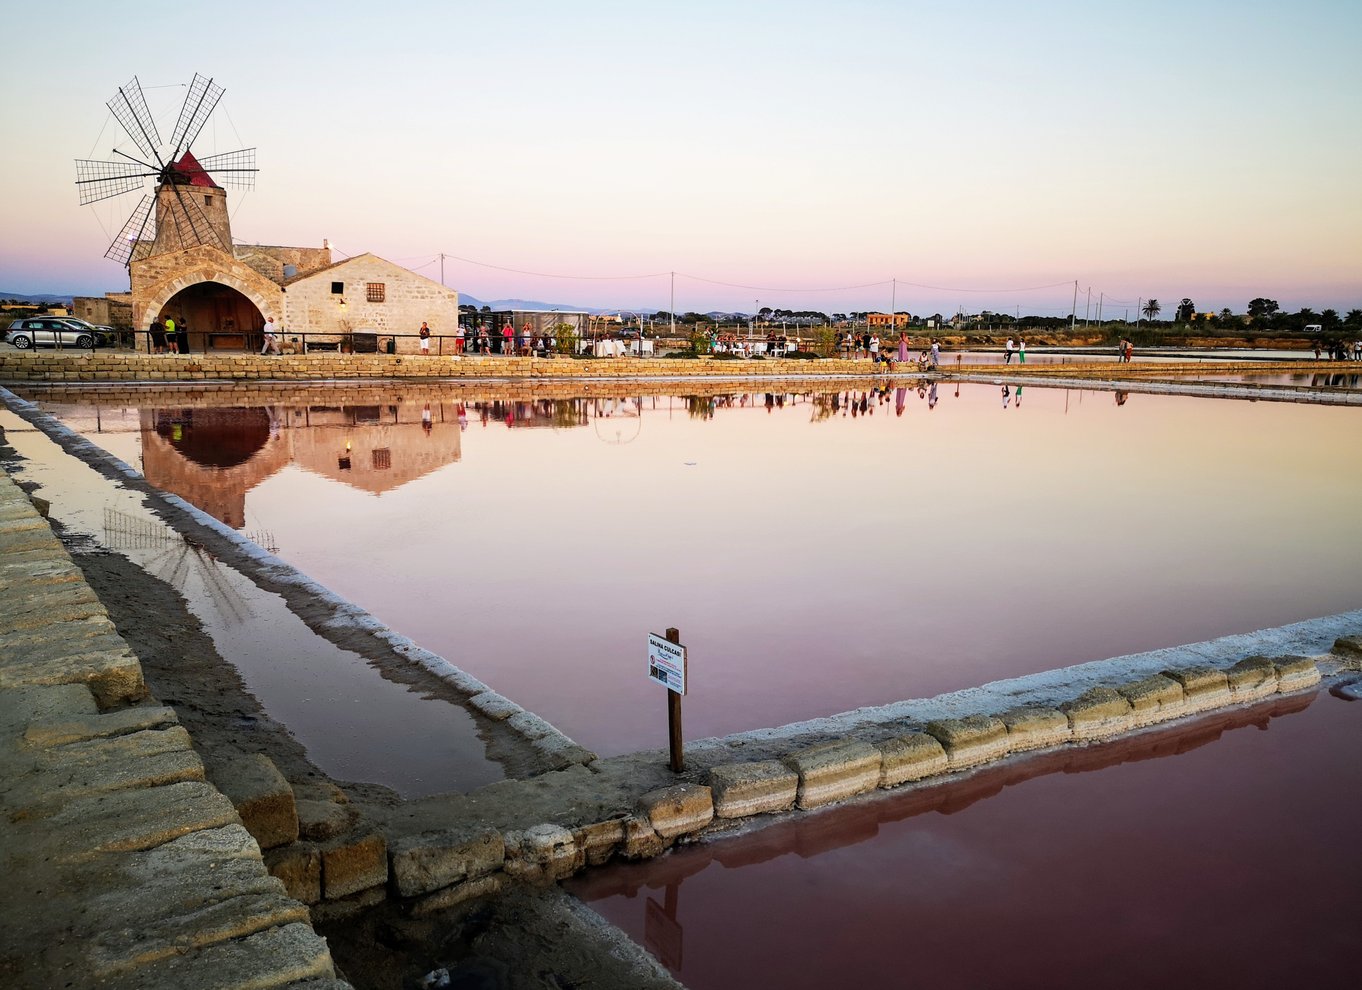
(1205, 149)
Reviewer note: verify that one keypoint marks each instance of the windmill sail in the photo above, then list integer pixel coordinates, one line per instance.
(131, 235)
(232, 168)
(203, 96)
(129, 108)
(105, 180)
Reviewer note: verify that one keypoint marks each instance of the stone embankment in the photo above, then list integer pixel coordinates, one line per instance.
(444, 851)
(108, 366)
(123, 866)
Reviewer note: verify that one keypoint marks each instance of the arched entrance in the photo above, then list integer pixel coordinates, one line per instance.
(217, 316)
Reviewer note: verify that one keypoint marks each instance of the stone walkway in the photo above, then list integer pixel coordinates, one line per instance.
(123, 866)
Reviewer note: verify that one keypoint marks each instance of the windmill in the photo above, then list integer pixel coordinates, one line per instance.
(190, 207)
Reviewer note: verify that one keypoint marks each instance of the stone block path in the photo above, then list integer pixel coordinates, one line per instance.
(122, 866)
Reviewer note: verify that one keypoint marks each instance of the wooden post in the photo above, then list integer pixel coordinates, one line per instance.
(674, 741)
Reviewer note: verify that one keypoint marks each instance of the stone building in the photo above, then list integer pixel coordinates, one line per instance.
(223, 292)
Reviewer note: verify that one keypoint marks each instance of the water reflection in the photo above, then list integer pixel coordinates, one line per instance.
(820, 550)
(1089, 855)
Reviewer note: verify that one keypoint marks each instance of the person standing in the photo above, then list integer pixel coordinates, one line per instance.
(271, 338)
(507, 338)
(172, 341)
(936, 353)
(1021, 356)
(903, 347)
(458, 339)
(874, 348)
(424, 335)
(181, 336)
(158, 337)
(1007, 353)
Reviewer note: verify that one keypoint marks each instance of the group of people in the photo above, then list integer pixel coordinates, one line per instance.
(1125, 350)
(170, 336)
(1017, 347)
(1338, 350)
(856, 346)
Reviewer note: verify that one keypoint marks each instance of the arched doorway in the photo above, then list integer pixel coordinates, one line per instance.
(217, 317)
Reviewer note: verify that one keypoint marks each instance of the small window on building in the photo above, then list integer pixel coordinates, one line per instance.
(338, 288)
(375, 291)
(207, 200)
(383, 459)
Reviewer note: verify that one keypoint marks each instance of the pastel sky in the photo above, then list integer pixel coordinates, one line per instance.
(772, 151)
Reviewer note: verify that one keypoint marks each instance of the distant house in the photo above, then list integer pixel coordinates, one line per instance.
(885, 321)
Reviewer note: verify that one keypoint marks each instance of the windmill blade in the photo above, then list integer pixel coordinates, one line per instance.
(129, 108)
(203, 96)
(232, 168)
(105, 180)
(192, 226)
(131, 235)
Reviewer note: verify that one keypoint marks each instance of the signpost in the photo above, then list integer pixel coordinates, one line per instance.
(667, 666)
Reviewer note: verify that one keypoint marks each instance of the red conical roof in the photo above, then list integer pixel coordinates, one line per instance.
(189, 167)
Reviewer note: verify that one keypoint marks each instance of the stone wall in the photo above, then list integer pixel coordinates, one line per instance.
(109, 366)
(125, 865)
(269, 260)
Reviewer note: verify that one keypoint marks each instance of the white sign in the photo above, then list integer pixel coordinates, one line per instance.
(667, 663)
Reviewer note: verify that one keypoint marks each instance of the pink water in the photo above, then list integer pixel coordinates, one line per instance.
(814, 559)
(1220, 854)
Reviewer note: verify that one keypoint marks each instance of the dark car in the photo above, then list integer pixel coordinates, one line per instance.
(53, 331)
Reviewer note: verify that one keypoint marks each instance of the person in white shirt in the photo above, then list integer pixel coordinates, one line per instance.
(271, 338)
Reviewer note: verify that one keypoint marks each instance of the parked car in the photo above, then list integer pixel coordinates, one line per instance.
(52, 331)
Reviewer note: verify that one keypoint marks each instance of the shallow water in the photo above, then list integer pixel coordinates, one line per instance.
(1218, 853)
(816, 555)
(335, 703)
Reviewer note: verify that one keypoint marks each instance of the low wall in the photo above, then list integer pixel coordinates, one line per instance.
(97, 366)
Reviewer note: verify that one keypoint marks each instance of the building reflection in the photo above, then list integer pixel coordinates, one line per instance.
(212, 456)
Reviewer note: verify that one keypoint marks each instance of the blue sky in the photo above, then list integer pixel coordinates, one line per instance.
(775, 151)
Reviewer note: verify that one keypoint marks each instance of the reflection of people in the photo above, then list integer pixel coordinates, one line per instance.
(931, 396)
(1007, 393)
(900, 398)
(271, 340)
(1019, 388)
(1121, 397)
(424, 334)
(425, 418)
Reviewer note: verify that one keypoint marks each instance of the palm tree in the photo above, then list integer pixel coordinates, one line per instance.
(1151, 309)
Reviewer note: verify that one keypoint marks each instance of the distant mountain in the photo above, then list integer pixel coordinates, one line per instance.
(63, 299)
(534, 304)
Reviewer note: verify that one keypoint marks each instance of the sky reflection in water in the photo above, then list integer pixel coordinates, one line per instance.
(816, 557)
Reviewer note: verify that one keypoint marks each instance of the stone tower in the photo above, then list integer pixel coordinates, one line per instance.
(191, 209)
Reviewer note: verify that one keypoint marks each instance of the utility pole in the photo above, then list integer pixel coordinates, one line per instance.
(1101, 298)
(673, 305)
(893, 303)
(1087, 307)
(1073, 313)
(1139, 301)
(442, 268)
